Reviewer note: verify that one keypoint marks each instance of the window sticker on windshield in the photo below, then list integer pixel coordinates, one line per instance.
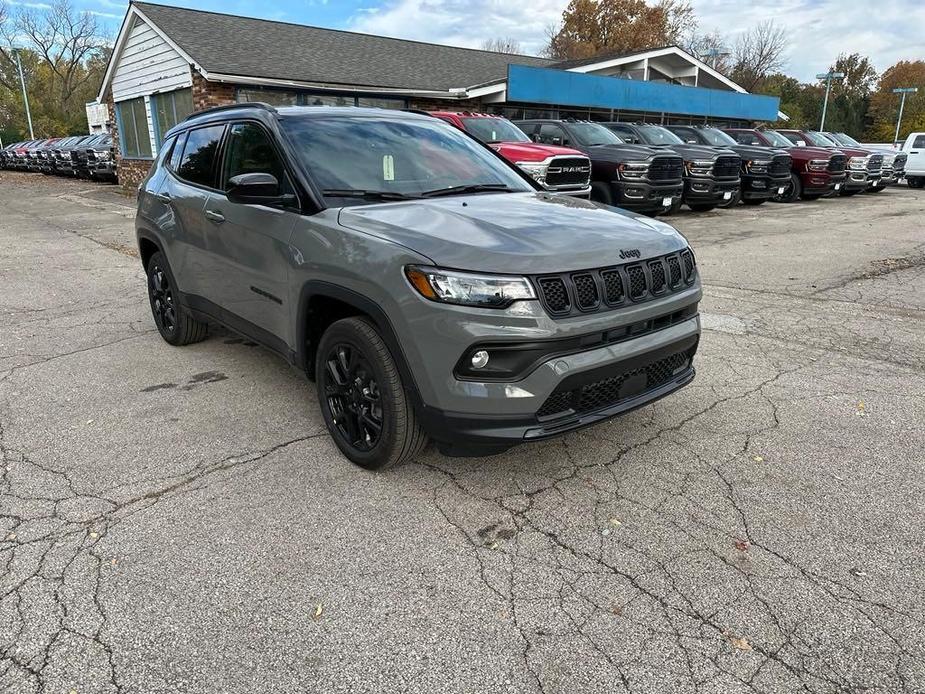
(494, 136)
(388, 168)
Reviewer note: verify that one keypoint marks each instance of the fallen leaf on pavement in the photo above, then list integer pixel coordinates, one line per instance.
(740, 642)
(758, 459)
(742, 545)
(857, 572)
(318, 611)
(615, 522)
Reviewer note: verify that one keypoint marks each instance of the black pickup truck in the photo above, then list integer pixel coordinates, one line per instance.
(638, 178)
(711, 175)
(765, 174)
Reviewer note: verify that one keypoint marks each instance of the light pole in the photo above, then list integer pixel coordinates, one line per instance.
(25, 96)
(828, 77)
(902, 103)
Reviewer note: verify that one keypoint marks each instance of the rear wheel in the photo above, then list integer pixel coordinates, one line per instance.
(792, 192)
(174, 322)
(915, 181)
(365, 406)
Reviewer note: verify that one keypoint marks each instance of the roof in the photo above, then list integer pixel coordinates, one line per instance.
(241, 46)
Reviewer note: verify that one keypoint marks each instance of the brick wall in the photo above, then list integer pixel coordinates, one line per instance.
(210, 94)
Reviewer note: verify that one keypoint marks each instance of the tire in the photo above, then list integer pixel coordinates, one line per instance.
(793, 191)
(754, 202)
(360, 390)
(600, 192)
(732, 202)
(701, 207)
(849, 193)
(807, 196)
(174, 322)
(915, 182)
(874, 191)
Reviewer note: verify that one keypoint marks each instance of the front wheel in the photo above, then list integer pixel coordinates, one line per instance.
(363, 401)
(793, 192)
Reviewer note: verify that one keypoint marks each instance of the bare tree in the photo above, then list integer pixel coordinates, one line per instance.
(501, 45)
(65, 39)
(712, 49)
(758, 53)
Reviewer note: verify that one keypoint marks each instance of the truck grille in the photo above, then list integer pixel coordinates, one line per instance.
(727, 167)
(568, 171)
(611, 287)
(899, 163)
(875, 163)
(666, 169)
(837, 163)
(780, 165)
(615, 389)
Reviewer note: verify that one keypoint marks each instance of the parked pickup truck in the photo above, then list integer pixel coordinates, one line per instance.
(765, 174)
(814, 171)
(894, 161)
(641, 179)
(864, 167)
(558, 169)
(711, 175)
(914, 147)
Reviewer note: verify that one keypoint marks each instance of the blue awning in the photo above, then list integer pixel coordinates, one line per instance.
(544, 86)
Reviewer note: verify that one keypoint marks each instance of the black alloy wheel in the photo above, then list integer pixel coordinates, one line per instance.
(163, 303)
(353, 396)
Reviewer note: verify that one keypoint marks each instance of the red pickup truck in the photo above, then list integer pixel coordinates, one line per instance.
(557, 169)
(814, 171)
(864, 166)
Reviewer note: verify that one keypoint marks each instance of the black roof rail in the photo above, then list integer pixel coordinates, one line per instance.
(228, 107)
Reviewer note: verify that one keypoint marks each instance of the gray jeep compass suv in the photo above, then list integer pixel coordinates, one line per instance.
(426, 284)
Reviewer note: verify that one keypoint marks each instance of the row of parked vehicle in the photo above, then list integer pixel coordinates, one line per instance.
(87, 156)
(655, 169)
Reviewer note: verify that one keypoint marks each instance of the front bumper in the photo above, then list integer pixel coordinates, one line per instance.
(605, 386)
(875, 181)
(644, 196)
(856, 180)
(763, 186)
(703, 190)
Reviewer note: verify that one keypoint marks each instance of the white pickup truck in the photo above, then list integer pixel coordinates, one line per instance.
(914, 146)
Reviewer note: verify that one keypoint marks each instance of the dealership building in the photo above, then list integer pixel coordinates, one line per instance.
(169, 62)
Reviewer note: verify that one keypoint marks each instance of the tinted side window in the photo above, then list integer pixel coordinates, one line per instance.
(686, 134)
(919, 141)
(746, 138)
(177, 153)
(198, 162)
(625, 133)
(250, 150)
(551, 134)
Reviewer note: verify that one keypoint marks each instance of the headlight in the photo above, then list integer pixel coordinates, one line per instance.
(699, 167)
(536, 171)
(818, 164)
(858, 163)
(633, 169)
(467, 289)
(757, 165)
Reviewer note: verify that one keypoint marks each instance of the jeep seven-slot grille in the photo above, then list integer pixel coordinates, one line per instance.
(727, 167)
(780, 165)
(611, 287)
(615, 389)
(666, 169)
(837, 163)
(568, 171)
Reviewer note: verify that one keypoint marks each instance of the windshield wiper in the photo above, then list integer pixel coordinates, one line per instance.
(462, 190)
(367, 194)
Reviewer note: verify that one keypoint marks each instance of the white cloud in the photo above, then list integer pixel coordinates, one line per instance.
(462, 23)
(884, 30)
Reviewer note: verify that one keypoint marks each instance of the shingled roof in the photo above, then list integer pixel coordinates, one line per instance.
(241, 46)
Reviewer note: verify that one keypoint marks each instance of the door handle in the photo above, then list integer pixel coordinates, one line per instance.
(914, 152)
(216, 217)
(163, 197)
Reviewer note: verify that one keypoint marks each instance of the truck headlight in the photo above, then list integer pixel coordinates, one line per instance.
(858, 163)
(536, 171)
(633, 169)
(699, 167)
(757, 165)
(468, 289)
(818, 164)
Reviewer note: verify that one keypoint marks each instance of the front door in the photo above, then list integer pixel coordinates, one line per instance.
(249, 244)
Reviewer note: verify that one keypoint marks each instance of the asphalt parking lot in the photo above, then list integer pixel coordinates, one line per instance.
(176, 520)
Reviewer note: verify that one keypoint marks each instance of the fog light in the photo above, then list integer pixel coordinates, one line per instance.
(479, 359)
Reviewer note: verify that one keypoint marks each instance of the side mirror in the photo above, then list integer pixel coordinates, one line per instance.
(256, 189)
(801, 143)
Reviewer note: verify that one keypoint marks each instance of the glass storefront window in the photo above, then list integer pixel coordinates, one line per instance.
(169, 109)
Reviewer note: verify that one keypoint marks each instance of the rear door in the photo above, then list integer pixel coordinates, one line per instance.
(249, 244)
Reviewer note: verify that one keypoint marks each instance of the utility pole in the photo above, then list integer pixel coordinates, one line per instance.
(25, 96)
(828, 77)
(902, 103)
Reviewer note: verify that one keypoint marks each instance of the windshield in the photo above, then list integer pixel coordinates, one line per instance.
(776, 139)
(399, 157)
(843, 139)
(820, 140)
(592, 134)
(717, 138)
(494, 130)
(657, 135)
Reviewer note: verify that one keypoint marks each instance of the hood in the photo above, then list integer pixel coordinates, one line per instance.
(852, 151)
(618, 153)
(690, 152)
(750, 152)
(528, 151)
(514, 233)
(811, 152)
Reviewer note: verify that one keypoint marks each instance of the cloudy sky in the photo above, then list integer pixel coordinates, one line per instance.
(886, 30)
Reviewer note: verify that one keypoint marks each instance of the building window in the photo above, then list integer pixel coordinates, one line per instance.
(134, 139)
(375, 102)
(280, 97)
(274, 97)
(170, 108)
